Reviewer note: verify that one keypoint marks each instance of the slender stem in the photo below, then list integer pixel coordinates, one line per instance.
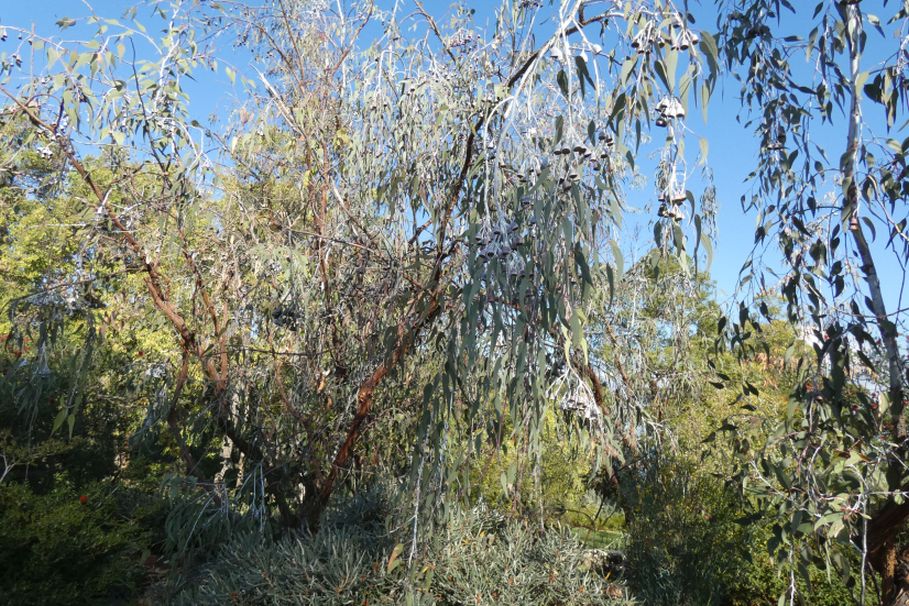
(884, 535)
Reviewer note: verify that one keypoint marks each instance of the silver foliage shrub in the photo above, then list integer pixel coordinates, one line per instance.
(480, 557)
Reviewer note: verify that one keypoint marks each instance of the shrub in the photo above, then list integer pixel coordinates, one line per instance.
(480, 558)
(685, 545)
(55, 549)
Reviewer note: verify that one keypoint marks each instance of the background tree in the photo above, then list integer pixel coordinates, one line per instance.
(836, 469)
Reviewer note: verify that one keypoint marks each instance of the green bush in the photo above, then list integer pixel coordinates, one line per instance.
(479, 558)
(56, 550)
(686, 546)
(485, 558)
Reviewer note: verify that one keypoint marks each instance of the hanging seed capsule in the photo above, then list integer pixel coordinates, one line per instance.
(482, 236)
(641, 41)
(674, 109)
(661, 121)
(684, 41)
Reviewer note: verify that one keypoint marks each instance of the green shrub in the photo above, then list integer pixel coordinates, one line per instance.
(479, 558)
(685, 545)
(56, 550)
(485, 558)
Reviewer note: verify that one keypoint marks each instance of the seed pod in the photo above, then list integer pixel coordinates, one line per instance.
(674, 109)
(684, 41)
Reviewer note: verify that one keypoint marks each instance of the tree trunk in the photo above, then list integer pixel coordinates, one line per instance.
(889, 520)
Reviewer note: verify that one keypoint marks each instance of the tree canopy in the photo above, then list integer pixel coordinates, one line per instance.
(410, 252)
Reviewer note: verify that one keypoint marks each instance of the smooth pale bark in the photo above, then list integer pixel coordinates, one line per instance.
(886, 523)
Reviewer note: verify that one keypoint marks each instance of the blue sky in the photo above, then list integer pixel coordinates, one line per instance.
(733, 149)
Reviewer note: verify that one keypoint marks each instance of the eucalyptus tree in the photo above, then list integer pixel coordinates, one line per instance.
(398, 203)
(824, 88)
(474, 184)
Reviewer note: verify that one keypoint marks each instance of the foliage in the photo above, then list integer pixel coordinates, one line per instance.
(689, 543)
(834, 468)
(54, 549)
(402, 255)
(373, 252)
(480, 558)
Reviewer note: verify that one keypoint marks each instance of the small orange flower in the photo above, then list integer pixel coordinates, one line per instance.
(83, 499)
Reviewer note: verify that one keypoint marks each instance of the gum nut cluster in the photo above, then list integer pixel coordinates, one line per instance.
(668, 108)
(678, 37)
(670, 203)
(585, 153)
